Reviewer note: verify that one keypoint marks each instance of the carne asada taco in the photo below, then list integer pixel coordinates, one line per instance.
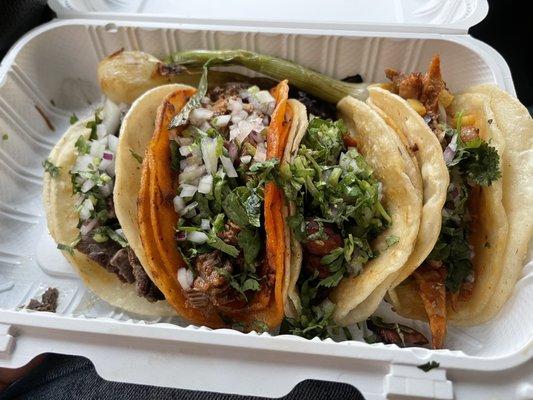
(355, 209)
(208, 213)
(453, 279)
(78, 200)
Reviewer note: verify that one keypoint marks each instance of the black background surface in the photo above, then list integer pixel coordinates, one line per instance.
(508, 28)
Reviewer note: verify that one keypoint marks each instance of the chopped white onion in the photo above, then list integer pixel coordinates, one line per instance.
(82, 163)
(191, 174)
(112, 143)
(228, 166)
(209, 154)
(240, 131)
(264, 96)
(235, 105)
(104, 164)
(206, 183)
(98, 147)
(184, 141)
(189, 207)
(87, 185)
(260, 153)
(205, 224)
(88, 226)
(449, 151)
(187, 190)
(185, 278)
(85, 209)
(185, 150)
(110, 170)
(246, 159)
(179, 203)
(199, 115)
(221, 121)
(111, 117)
(197, 237)
(101, 131)
(107, 189)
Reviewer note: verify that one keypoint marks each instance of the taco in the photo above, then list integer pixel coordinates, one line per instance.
(78, 200)
(453, 279)
(208, 213)
(355, 204)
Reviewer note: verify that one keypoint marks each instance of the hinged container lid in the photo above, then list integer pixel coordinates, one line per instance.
(444, 16)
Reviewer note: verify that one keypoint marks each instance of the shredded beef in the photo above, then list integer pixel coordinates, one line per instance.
(328, 241)
(229, 234)
(48, 301)
(122, 262)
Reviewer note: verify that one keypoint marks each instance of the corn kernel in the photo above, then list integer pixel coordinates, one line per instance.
(466, 120)
(417, 106)
(445, 98)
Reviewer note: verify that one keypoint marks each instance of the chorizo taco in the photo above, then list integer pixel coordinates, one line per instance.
(454, 279)
(81, 215)
(355, 203)
(202, 202)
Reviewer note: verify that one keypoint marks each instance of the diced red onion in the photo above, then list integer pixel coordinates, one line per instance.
(197, 237)
(233, 151)
(449, 152)
(107, 155)
(206, 183)
(88, 226)
(181, 236)
(228, 166)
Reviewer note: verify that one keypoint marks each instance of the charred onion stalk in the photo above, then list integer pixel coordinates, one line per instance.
(317, 84)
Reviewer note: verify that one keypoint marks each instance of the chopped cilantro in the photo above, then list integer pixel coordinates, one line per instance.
(136, 156)
(428, 366)
(73, 119)
(82, 145)
(92, 125)
(5, 136)
(51, 168)
(391, 240)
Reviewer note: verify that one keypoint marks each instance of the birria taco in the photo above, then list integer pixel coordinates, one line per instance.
(203, 203)
(462, 277)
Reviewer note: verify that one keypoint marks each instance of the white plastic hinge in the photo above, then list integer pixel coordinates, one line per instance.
(7, 341)
(410, 382)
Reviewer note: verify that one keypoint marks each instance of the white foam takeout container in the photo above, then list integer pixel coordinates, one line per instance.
(54, 68)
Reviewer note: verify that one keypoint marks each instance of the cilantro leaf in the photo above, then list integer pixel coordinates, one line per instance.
(325, 137)
(82, 145)
(73, 119)
(51, 168)
(5, 136)
(250, 243)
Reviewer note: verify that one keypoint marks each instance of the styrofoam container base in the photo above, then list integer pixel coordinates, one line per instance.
(54, 68)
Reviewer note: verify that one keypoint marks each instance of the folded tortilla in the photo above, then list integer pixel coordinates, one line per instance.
(62, 219)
